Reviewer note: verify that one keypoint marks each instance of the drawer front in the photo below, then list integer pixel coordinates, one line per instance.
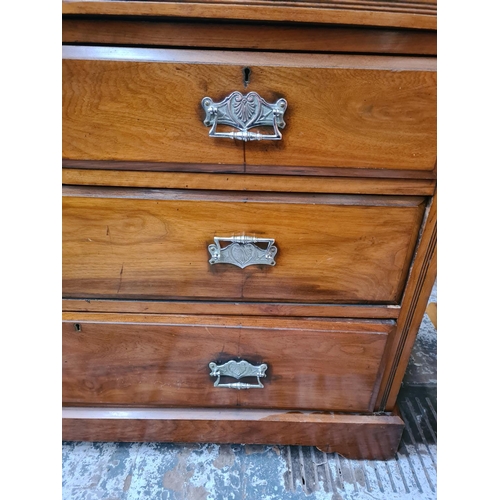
(144, 105)
(139, 111)
(161, 361)
(154, 244)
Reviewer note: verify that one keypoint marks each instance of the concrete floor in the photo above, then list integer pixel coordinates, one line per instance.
(165, 471)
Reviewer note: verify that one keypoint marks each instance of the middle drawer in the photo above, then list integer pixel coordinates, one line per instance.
(156, 244)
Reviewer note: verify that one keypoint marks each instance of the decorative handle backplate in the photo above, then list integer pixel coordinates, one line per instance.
(244, 112)
(237, 370)
(243, 251)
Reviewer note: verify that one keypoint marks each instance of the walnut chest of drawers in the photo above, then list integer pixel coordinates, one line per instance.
(249, 219)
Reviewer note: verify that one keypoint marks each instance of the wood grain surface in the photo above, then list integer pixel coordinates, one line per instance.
(231, 308)
(415, 14)
(294, 323)
(160, 361)
(134, 104)
(367, 437)
(350, 117)
(276, 37)
(152, 244)
(267, 170)
(237, 182)
(140, 111)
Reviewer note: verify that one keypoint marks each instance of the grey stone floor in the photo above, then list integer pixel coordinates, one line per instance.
(164, 471)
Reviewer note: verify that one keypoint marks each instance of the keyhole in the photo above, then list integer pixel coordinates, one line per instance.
(77, 327)
(246, 76)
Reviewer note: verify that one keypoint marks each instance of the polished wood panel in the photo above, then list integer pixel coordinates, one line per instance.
(420, 282)
(350, 118)
(277, 37)
(152, 244)
(233, 182)
(420, 15)
(116, 110)
(157, 166)
(368, 437)
(231, 308)
(344, 111)
(163, 361)
(294, 60)
(313, 324)
(355, 173)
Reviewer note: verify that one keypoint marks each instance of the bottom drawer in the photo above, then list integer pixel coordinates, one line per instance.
(152, 360)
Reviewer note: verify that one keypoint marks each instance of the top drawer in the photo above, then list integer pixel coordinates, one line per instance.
(144, 105)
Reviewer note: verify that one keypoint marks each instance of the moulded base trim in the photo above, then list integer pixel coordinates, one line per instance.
(369, 437)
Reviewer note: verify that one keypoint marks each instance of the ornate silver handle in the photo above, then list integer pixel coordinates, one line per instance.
(244, 112)
(237, 370)
(243, 251)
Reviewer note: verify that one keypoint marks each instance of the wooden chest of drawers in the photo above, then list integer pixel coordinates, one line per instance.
(249, 219)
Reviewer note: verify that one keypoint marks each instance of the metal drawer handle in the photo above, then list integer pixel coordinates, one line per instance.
(237, 370)
(244, 112)
(243, 251)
